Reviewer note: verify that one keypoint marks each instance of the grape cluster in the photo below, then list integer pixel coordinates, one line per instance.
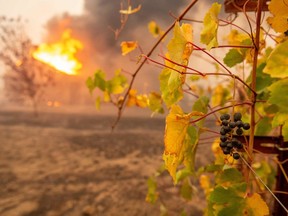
(229, 143)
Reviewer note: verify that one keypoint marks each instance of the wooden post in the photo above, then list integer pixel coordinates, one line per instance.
(274, 145)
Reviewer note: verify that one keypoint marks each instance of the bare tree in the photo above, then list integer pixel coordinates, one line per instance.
(25, 78)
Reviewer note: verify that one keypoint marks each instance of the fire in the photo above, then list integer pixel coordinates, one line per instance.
(61, 55)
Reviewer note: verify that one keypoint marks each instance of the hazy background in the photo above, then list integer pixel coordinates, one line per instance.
(92, 22)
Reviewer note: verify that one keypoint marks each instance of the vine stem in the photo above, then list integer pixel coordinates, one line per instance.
(216, 110)
(216, 60)
(122, 105)
(197, 72)
(256, 42)
(253, 79)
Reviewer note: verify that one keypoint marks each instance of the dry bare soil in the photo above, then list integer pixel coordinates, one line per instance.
(62, 164)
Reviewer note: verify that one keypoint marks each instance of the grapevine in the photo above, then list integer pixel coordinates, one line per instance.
(246, 98)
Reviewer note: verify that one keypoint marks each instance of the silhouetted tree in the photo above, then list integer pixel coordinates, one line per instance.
(25, 77)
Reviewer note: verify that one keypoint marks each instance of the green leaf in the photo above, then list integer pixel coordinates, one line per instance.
(231, 175)
(263, 79)
(155, 102)
(221, 195)
(234, 208)
(277, 64)
(173, 76)
(201, 105)
(117, 84)
(152, 194)
(279, 94)
(182, 174)
(233, 57)
(186, 190)
(191, 143)
(170, 86)
(209, 32)
(90, 84)
(264, 126)
(99, 80)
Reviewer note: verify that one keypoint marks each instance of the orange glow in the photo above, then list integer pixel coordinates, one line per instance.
(61, 55)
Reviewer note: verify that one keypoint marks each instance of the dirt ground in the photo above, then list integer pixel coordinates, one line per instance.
(62, 164)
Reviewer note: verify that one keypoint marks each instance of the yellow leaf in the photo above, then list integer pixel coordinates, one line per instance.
(128, 46)
(177, 123)
(130, 10)
(142, 101)
(279, 10)
(209, 32)
(257, 205)
(154, 29)
(132, 98)
(137, 100)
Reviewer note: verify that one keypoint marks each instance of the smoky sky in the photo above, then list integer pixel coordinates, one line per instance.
(95, 26)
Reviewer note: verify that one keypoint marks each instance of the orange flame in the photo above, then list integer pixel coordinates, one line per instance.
(60, 55)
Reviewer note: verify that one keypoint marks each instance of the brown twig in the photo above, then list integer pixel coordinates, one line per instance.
(122, 105)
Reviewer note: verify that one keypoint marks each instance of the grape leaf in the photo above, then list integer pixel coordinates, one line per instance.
(277, 64)
(201, 105)
(263, 79)
(263, 126)
(278, 94)
(233, 57)
(179, 51)
(222, 195)
(137, 100)
(257, 206)
(220, 95)
(177, 123)
(209, 32)
(128, 46)
(279, 10)
(232, 176)
(117, 84)
(154, 29)
(155, 102)
(152, 194)
(186, 190)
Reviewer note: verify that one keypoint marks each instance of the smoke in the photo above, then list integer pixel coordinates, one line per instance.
(94, 28)
(103, 51)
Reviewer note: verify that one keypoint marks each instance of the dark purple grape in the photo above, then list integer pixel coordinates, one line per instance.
(236, 156)
(239, 131)
(237, 116)
(239, 145)
(239, 124)
(223, 138)
(222, 131)
(234, 142)
(223, 144)
(225, 116)
(229, 145)
(226, 151)
(227, 129)
(246, 126)
(225, 122)
(232, 124)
